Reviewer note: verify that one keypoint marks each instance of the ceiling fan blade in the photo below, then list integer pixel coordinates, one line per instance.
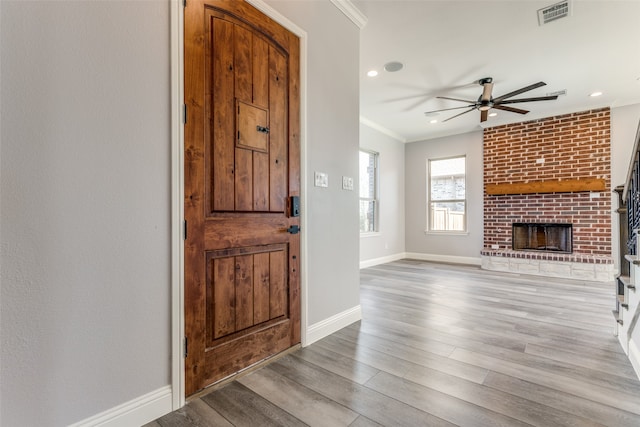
(519, 91)
(484, 114)
(511, 109)
(456, 99)
(464, 112)
(417, 103)
(538, 98)
(486, 92)
(447, 109)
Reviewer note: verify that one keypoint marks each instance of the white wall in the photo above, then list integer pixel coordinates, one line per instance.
(331, 230)
(446, 247)
(624, 125)
(85, 207)
(389, 241)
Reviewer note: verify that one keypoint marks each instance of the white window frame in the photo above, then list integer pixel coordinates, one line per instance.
(376, 193)
(429, 228)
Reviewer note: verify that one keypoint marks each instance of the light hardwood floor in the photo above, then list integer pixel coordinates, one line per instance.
(445, 345)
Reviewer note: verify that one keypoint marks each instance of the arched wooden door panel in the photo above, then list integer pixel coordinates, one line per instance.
(242, 176)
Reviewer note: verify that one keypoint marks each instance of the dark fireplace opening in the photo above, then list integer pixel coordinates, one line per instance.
(542, 237)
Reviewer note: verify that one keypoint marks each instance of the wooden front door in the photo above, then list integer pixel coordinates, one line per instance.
(242, 180)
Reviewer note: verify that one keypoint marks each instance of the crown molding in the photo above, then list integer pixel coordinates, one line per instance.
(382, 129)
(351, 11)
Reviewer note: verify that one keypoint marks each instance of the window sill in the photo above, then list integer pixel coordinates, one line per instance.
(370, 234)
(447, 233)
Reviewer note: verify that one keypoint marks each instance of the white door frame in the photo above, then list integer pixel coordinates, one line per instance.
(177, 186)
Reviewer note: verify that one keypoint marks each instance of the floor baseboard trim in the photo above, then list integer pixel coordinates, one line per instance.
(444, 258)
(634, 356)
(136, 412)
(326, 327)
(382, 260)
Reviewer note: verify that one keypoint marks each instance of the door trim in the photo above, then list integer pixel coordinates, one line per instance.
(177, 204)
(177, 187)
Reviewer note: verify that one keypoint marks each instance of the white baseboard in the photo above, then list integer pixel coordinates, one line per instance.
(634, 356)
(136, 412)
(326, 327)
(382, 260)
(444, 258)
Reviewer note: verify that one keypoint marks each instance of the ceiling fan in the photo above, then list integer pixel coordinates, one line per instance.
(486, 102)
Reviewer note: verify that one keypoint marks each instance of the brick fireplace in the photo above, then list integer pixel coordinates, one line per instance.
(533, 236)
(550, 171)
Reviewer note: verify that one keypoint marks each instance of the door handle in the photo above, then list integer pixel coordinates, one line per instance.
(294, 229)
(262, 129)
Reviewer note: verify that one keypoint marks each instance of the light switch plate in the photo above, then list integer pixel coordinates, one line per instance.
(347, 183)
(321, 179)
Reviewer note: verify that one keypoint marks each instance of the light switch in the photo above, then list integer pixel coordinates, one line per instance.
(321, 179)
(347, 183)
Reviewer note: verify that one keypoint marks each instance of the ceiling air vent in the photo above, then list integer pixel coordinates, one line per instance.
(553, 12)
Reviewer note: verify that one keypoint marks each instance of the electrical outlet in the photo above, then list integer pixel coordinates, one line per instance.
(321, 179)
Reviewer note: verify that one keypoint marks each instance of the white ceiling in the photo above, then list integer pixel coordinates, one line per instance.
(446, 46)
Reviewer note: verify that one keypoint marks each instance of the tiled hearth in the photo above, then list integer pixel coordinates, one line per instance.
(552, 171)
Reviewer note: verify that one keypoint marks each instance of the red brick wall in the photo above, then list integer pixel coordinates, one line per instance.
(573, 146)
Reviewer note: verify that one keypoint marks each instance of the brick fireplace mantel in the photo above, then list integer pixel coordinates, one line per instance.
(574, 149)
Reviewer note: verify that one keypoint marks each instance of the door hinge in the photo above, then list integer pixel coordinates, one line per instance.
(185, 229)
(184, 3)
(184, 114)
(186, 347)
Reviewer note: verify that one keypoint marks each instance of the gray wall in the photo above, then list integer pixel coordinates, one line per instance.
(332, 230)
(85, 197)
(389, 240)
(85, 207)
(447, 245)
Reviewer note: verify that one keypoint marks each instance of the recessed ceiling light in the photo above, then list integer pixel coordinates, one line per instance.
(372, 73)
(434, 121)
(493, 114)
(594, 94)
(393, 66)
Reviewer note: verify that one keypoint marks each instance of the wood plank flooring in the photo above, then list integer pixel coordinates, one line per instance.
(445, 345)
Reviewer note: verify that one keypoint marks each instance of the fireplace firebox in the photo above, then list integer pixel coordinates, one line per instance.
(542, 237)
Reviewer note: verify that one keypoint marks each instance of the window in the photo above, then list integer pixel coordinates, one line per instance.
(368, 191)
(447, 209)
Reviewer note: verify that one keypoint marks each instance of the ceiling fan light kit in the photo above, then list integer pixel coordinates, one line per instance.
(486, 102)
